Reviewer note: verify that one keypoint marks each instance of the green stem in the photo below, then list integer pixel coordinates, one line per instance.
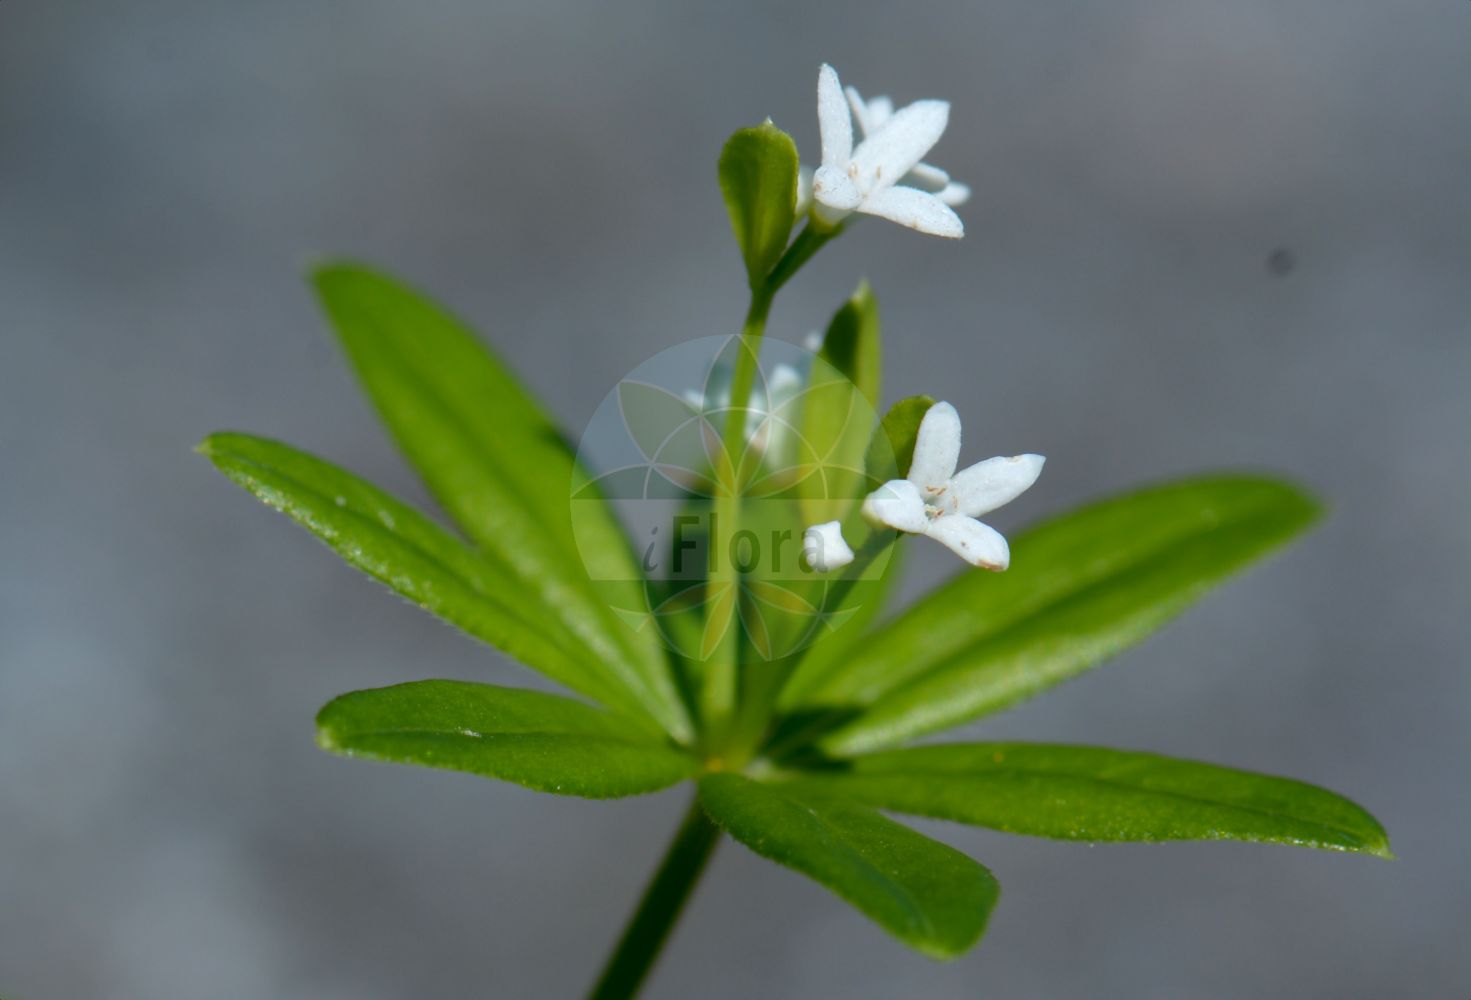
(745, 372)
(663, 900)
(811, 239)
(718, 694)
(719, 690)
(759, 708)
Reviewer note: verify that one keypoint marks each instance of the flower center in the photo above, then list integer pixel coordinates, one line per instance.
(937, 502)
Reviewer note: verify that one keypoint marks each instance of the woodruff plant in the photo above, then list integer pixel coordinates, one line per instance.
(776, 693)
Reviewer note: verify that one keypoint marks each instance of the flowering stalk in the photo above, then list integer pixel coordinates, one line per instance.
(663, 901)
(760, 705)
(802, 760)
(718, 692)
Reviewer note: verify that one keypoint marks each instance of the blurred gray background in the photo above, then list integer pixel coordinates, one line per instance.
(167, 168)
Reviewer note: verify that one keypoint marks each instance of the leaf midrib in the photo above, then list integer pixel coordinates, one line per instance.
(890, 886)
(423, 390)
(646, 687)
(1114, 783)
(474, 586)
(414, 731)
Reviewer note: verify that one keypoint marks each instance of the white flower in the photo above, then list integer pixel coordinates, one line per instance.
(937, 501)
(871, 116)
(824, 548)
(872, 177)
(804, 190)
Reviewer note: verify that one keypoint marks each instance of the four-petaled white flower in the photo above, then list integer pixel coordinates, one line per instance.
(937, 501)
(883, 175)
(871, 116)
(824, 548)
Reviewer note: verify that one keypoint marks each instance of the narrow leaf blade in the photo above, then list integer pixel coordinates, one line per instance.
(1081, 588)
(838, 409)
(401, 548)
(851, 343)
(1098, 794)
(758, 177)
(889, 456)
(541, 741)
(500, 467)
(928, 895)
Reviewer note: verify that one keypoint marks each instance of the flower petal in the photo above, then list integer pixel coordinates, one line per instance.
(978, 544)
(866, 125)
(870, 115)
(937, 182)
(885, 157)
(896, 504)
(804, 191)
(880, 110)
(927, 178)
(831, 187)
(834, 124)
(954, 193)
(987, 485)
(916, 209)
(936, 448)
(824, 548)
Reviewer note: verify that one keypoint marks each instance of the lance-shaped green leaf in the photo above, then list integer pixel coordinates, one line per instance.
(499, 465)
(541, 741)
(398, 546)
(889, 456)
(1090, 793)
(758, 177)
(851, 343)
(927, 894)
(837, 415)
(1080, 588)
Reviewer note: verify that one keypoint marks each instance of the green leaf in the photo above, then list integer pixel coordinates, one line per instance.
(852, 346)
(889, 457)
(541, 741)
(889, 452)
(501, 468)
(852, 597)
(654, 416)
(1080, 589)
(400, 547)
(837, 415)
(927, 894)
(1089, 793)
(758, 177)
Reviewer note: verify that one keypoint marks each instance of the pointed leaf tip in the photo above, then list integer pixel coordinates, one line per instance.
(400, 547)
(1097, 794)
